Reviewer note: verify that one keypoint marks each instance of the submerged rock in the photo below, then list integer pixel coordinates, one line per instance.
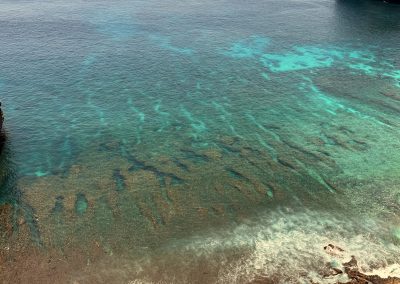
(81, 204)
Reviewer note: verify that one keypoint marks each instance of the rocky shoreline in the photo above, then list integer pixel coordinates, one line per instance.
(351, 269)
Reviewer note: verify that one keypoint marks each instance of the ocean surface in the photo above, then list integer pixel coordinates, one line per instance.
(198, 141)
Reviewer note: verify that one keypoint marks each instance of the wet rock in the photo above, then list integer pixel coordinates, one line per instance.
(361, 278)
(333, 250)
(352, 263)
(331, 272)
(336, 271)
(352, 270)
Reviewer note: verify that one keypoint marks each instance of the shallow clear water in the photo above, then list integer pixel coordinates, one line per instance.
(198, 141)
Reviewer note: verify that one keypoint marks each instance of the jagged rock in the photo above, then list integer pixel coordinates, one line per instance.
(360, 278)
(352, 263)
(352, 270)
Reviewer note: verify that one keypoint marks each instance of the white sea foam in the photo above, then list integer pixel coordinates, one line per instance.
(288, 247)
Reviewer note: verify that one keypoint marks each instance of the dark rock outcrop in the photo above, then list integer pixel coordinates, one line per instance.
(1, 118)
(352, 270)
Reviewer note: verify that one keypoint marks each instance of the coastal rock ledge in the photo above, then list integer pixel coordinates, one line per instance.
(352, 270)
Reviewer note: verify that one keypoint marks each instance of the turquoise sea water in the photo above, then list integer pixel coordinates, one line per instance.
(198, 141)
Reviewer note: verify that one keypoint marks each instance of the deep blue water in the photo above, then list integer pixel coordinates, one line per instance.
(234, 138)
